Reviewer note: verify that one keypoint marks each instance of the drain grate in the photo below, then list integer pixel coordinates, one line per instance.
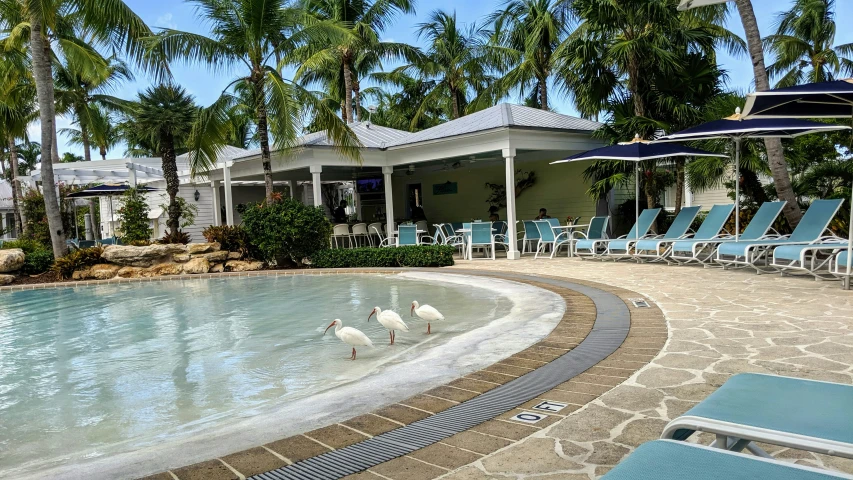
(611, 326)
(640, 303)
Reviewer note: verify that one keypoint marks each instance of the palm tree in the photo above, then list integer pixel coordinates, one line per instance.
(359, 50)
(101, 131)
(526, 33)
(803, 45)
(18, 110)
(165, 114)
(47, 25)
(252, 33)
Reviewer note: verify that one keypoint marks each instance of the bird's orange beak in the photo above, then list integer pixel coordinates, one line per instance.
(327, 328)
(371, 314)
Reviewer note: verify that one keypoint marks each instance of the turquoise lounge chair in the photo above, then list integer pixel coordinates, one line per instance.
(789, 412)
(702, 250)
(841, 263)
(531, 236)
(597, 230)
(668, 460)
(657, 249)
(481, 237)
(618, 248)
(814, 259)
(549, 237)
(809, 231)
(407, 235)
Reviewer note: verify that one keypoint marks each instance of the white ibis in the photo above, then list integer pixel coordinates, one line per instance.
(389, 320)
(350, 336)
(426, 312)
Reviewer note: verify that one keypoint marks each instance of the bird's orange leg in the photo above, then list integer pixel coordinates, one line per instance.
(391, 335)
(428, 328)
(353, 354)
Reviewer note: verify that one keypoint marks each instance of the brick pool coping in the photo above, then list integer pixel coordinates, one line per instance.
(646, 337)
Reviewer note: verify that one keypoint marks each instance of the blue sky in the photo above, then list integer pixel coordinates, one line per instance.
(206, 86)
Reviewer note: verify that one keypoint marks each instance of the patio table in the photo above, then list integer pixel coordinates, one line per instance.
(571, 229)
(463, 231)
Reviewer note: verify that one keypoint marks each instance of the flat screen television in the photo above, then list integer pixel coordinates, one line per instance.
(370, 185)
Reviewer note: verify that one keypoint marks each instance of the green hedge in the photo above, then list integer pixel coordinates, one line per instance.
(419, 256)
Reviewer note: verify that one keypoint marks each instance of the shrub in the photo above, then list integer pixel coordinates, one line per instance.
(286, 230)
(37, 257)
(76, 260)
(133, 214)
(412, 256)
(231, 238)
(27, 245)
(37, 228)
(177, 237)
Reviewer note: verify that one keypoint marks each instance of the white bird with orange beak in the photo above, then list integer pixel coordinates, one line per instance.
(389, 320)
(426, 312)
(351, 336)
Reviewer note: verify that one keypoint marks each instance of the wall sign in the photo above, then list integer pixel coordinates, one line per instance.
(528, 417)
(446, 188)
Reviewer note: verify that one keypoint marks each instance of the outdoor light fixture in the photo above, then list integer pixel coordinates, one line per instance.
(196, 195)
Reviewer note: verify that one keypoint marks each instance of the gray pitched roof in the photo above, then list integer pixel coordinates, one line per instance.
(370, 135)
(502, 115)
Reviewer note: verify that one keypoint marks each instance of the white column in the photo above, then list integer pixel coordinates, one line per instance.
(229, 202)
(131, 175)
(316, 170)
(291, 186)
(217, 209)
(389, 200)
(512, 253)
(688, 195)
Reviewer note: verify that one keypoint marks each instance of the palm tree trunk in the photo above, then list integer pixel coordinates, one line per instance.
(348, 90)
(775, 154)
(344, 111)
(103, 152)
(54, 146)
(634, 87)
(170, 173)
(679, 184)
(649, 189)
(543, 94)
(40, 52)
(455, 97)
(87, 147)
(16, 187)
(356, 93)
(96, 221)
(263, 137)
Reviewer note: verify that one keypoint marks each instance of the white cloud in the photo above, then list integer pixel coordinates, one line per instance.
(165, 21)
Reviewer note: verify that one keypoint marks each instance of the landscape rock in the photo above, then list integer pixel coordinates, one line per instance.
(213, 257)
(234, 255)
(194, 248)
(11, 260)
(103, 271)
(217, 268)
(243, 266)
(82, 274)
(165, 269)
(141, 256)
(197, 265)
(131, 272)
(181, 257)
(6, 279)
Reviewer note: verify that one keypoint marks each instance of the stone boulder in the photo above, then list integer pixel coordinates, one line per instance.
(131, 272)
(165, 269)
(103, 271)
(197, 265)
(141, 256)
(243, 266)
(234, 255)
(181, 257)
(11, 260)
(213, 257)
(194, 248)
(217, 268)
(6, 279)
(82, 274)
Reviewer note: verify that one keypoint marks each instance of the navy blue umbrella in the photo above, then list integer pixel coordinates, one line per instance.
(638, 150)
(736, 128)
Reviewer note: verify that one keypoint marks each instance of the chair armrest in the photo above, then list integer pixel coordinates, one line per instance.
(581, 234)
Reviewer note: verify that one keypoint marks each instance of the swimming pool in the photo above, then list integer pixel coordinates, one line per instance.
(157, 371)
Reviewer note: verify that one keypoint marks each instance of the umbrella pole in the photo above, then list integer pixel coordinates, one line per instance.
(637, 199)
(846, 280)
(112, 220)
(737, 188)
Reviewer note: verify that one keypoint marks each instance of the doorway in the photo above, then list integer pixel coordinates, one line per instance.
(414, 202)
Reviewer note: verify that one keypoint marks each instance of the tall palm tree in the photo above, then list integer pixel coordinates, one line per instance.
(526, 33)
(17, 111)
(51, 27)
(252, 34)
(804, 45)
(102, 132)
(165, 114)
(360, 49)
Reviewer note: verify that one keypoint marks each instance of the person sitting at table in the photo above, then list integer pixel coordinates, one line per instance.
(543, 214)
(418, 213)
(493, 214)
(340, 213)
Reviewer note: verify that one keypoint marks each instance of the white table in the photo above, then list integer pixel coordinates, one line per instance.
(463, 231)
(570, 229)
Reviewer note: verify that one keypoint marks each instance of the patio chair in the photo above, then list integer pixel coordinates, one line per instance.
(481, 236)
(531, 236)
(702, 250)
(597, 230)
(110, 241)
(500, 228)
(359, 231)
(789, 412)
(669, 460)
(87, 243)
(657, 249)
(375, 230)
(809, 231)
(814, 259)
(549, 238)
(341, 232)
(407, 235)
(447, 236)
(619, 247)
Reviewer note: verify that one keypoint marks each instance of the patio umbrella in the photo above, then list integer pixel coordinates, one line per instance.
(108, 190)
(688, 4)
(814, 100)
(638, 150)
(736, 128)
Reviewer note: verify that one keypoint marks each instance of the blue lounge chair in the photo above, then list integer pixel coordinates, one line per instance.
(531, 236)
(841, 264)
(810, 230)
(789, 412)
(482, 237)
(550, 237)
(407, 235)
(668, 460)
(597, 230)
(702, 250)
(656, 249)
(618, 248)
(814, 259)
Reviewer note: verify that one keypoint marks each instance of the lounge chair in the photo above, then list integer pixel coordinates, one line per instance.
(482, 237)
(618, 248)
(669, 460)
(840, 265)
(531, 236)
(814, 259)
(809, 231)
(549, 237)
(789, 412)
(657, 249)
(702, 250)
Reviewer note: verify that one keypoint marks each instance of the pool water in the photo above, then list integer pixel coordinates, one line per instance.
(92, 371)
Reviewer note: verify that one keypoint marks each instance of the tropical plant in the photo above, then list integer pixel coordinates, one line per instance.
(102, 131)
(252, 33)
(133, 215)
(804, 45)
(286, 230)
(77, 260)
(410, 256)
(232, 238)
(70, 157)
(398, 109)
(187, 210)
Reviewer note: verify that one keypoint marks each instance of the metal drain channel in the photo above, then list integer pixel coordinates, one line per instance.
(610, 329)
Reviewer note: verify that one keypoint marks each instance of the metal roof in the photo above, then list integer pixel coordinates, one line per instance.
(369, 134)
(502, 115)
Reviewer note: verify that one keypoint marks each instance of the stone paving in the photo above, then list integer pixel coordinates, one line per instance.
(720, 323)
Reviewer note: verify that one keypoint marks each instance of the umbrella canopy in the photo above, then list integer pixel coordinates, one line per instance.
(108, 190)
(813, 100)
(638, 150)
(688, 4)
